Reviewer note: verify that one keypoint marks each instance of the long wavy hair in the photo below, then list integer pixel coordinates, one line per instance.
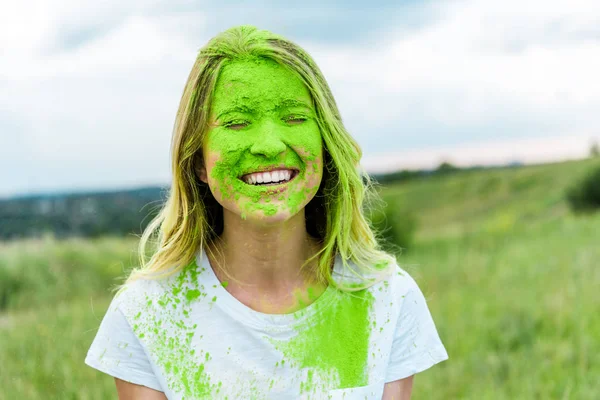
(191, 217)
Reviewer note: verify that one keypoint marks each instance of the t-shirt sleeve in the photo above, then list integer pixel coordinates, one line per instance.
(117, 351)
(416, 345)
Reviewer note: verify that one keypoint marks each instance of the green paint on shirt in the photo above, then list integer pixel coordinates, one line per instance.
(334, 343)
(184, 370)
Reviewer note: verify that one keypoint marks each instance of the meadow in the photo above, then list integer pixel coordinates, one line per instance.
(511, 276)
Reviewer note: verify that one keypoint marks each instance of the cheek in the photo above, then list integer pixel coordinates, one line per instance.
(307, 143)
(219, 179)
(311, 140)
(210, 161)
(314, 172)
(227, 143)
(309, 147)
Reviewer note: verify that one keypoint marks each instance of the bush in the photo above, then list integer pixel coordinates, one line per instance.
(394, 225)
(584, 196)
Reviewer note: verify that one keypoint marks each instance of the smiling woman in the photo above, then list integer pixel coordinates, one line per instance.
(265, 279)
(262, 122)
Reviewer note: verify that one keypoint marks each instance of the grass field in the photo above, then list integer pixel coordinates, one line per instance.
(511, 277)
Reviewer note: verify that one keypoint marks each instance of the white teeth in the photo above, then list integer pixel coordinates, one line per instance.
(268, 177)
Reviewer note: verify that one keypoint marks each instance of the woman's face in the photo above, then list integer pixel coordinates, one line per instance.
(263, 151)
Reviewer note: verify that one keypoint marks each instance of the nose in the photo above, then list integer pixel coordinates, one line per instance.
(268, 141)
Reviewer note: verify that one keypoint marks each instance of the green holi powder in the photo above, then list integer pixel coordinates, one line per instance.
(381, 265)
(264, 118)
(185, 374)
(192, 294)
(312, 296)
(304, 300)
(335, 342)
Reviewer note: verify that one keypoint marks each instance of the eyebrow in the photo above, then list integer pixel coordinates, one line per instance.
(287, 103)
(293, 103)
(242, 109)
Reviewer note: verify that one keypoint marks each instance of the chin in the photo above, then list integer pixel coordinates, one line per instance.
(263, 214)
(266, 217)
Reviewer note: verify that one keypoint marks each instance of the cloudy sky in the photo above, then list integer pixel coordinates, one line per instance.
(89, 89)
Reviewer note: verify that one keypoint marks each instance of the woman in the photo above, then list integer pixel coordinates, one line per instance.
(266, 280)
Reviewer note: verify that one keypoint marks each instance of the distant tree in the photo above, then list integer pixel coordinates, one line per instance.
(398, 176)
(445, 168)
(584, 196)
(595, 150)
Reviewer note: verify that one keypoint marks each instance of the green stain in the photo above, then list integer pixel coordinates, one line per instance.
(192, 294)
(263, 117)
(335, 343)
(270, 210)
(185, 372)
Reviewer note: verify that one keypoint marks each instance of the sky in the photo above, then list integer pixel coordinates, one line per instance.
(89, 90)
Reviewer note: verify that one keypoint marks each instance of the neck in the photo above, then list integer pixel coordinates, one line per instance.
(266, 257)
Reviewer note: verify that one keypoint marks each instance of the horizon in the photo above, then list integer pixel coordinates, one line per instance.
(511, 162)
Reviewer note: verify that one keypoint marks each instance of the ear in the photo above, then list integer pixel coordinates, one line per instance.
(200, 170)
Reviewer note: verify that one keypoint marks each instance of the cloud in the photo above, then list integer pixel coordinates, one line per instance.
(482, 65)
(89, 90)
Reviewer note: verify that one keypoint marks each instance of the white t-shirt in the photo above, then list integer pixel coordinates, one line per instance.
(188, 337)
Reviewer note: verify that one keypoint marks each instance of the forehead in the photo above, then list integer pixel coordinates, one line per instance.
(258, 84)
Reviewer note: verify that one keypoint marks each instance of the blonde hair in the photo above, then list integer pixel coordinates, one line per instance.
(191, 217)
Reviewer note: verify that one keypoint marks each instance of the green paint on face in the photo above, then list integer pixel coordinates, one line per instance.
(262, 118)
(335, 343)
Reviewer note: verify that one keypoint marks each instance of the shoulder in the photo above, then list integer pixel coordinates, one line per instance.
(396, 288)
(393, 279)
(416, 344)
(401, 281)
(143, 293)
(133, 295)
(162, 295)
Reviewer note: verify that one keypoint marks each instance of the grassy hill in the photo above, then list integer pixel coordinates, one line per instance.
(488, 201)
(510, 275)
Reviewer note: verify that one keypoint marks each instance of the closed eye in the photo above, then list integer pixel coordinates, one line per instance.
(236, 125)
(294, 120)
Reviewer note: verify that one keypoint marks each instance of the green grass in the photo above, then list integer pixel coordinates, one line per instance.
(42, 352)
(517, 313)
(511, 278)
(55, 295)
(46, 271)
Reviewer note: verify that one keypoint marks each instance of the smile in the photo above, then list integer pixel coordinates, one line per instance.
(270, 178)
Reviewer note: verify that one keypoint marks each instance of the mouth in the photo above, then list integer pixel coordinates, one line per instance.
(272, 177)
